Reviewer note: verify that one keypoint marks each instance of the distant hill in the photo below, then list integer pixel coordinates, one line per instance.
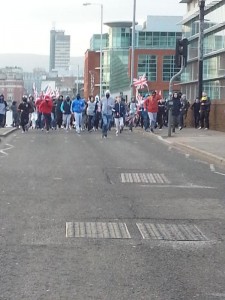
(30, 61)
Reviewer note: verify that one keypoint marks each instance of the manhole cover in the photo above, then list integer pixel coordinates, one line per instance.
(171, 232)
(97, 230)
(146, 178)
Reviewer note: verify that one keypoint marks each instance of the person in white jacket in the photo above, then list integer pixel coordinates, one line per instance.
(107, 110)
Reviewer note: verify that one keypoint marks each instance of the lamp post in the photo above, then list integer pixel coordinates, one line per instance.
(133, 47)
(100, 77)
(201, 4)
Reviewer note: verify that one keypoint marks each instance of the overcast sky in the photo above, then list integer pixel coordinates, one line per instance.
(26, 24)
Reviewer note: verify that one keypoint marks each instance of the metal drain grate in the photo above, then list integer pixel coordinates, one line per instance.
(155, 178)
(171, 232)
(97, 230)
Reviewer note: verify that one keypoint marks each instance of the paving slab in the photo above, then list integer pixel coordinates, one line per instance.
(207, 144)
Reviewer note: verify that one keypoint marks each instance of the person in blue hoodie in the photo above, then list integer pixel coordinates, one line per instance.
(77, 107)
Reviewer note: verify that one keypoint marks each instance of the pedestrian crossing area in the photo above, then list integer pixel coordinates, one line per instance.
(146, 231)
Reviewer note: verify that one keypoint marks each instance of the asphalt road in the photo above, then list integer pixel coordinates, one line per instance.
(128, 217)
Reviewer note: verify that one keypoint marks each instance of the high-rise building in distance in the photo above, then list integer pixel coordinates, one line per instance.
(59, 51)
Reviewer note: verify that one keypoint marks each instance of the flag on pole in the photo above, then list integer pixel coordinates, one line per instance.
(141, 82)
(47, 91)
(35, 93)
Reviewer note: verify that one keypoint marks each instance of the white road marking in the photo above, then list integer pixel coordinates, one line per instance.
(219, 173)
(212, 168)
(179, 186)
(69, 229)
(164, 140)
(5, 149)
(123, 178)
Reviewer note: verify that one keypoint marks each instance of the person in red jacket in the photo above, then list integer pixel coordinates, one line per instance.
(151, 106)
(46, 108)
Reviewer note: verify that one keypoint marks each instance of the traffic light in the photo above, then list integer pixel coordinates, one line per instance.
(181, 51)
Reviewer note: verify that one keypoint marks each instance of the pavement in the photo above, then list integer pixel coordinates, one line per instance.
(209, 145)
(4, 132)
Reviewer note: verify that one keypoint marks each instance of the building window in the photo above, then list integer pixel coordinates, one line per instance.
(169, 69)
(147, 64)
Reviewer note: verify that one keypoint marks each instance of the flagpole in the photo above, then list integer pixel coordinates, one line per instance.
(78, 79)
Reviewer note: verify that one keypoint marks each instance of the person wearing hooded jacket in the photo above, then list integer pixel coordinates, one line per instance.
(119, 112)
(151, 106)
(66, 110)
(176, 108)
(91, 112)
(24, 109)
(58, 112)
(3, 109)
(183, 111)
(97, 112)
(107, 110)
(205, 104)
(77, 107)
(46, 108)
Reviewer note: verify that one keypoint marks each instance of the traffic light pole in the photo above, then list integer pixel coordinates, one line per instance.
(200, 47)
(170, 105)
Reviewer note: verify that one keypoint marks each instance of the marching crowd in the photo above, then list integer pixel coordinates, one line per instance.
(150, 112)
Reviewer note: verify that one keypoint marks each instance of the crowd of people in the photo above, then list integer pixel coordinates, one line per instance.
(150, 112)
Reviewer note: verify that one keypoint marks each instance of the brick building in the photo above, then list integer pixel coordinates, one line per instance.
(91, 73)
(11, 83)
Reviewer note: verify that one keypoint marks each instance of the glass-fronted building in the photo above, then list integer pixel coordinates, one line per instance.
(155, 43)
(214, 49)
(95, 41)
(116, 56)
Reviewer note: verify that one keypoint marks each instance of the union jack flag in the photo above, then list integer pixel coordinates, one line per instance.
(141, 82)
(49, 91)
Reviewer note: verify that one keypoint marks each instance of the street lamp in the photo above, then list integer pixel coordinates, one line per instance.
(133, 47)
(201, 4)
(100, 77)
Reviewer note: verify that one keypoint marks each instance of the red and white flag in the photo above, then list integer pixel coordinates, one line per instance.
(141, 82)
(35, 93)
